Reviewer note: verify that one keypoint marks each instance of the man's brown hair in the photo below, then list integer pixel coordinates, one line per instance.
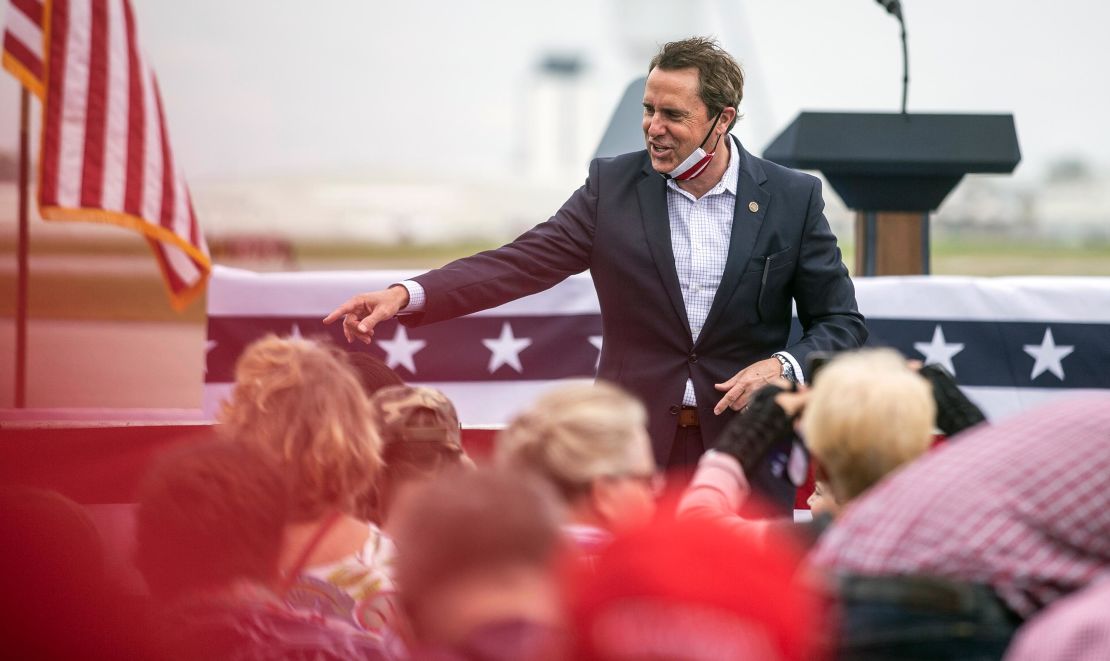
(720, 77)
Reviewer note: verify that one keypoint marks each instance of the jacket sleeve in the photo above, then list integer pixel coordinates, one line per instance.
(536, 260)
(823, 292)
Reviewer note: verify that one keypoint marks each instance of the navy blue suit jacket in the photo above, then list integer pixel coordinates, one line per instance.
(616, 225)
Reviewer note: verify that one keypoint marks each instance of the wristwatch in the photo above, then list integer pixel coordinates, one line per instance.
(787, 369)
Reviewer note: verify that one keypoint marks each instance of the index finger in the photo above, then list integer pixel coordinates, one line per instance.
(343, 310)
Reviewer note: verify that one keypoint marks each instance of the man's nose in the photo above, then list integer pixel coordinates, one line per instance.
(655, 126)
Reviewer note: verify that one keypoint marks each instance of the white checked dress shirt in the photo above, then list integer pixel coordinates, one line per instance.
(700, 232)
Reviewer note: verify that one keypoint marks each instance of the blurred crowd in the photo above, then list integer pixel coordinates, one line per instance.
(339, 516)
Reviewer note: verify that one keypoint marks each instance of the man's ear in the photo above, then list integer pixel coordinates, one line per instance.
(725, 120)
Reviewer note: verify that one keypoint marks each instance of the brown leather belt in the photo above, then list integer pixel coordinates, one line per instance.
(688, 417)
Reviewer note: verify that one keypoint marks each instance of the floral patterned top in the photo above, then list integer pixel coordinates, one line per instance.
(358, 588)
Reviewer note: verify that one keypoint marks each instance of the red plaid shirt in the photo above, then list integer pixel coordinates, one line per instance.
(1073, 628)
(1023, 506)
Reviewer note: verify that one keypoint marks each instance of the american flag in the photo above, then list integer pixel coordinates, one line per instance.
(105, 154)
(23, 43)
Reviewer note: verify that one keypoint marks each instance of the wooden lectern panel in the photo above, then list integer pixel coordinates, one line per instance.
(892, 243)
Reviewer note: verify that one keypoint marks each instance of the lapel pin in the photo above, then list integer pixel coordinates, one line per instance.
(753, 206)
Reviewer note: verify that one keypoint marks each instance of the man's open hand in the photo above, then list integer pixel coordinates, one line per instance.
(740, 388)
(362, 312)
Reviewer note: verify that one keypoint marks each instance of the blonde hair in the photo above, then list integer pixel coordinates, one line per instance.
(576, 434)
(301, 400)
(867, 414)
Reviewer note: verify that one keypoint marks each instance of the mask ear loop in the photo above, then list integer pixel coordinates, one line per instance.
(712, 128)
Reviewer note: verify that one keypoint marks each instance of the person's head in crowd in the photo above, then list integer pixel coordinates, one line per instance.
(421, 438)
(372, 373)
(590, 443)
(821, 501)
(867, 414)
(210, 515)
(301, 400)
(211, 524)
(56, 601)
(476, 565)
(695, 590)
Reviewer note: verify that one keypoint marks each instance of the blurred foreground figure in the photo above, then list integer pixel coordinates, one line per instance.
(946, 557)
(694, 591)
(55, 600)
(476, 560)
(421, 439)
(866, 415)
(590, 444)
(210, 524)
(1075, 628)
(300, 402)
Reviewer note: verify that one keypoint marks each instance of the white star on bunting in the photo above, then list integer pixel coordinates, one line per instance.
(506, 349)
(596, 341)
(939, 352)
(401, 350)
(1047, 357)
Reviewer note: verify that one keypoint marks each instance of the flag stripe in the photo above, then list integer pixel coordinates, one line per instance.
(23, 44)
(51, 138)
(19, 51)
(133, 196)
(31, 9)
(152, 156)
(96, 111)
(168, 179)
(116, 130)
(74, 106)
(25, 25)
(195, 236)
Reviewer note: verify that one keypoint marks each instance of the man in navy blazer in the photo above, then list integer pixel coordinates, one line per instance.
(695, 256)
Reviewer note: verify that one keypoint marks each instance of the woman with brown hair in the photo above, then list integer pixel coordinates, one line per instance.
(301, 401)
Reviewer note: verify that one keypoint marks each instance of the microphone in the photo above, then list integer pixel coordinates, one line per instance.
(892, 6)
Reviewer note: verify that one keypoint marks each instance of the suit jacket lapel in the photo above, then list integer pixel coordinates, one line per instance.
(745, 228)
(652, 193)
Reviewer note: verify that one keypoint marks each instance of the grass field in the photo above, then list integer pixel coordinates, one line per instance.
(109, 294)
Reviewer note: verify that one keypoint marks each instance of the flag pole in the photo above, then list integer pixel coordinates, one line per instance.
(24, 248)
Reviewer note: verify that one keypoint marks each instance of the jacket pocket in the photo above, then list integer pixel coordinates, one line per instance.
(775, 261)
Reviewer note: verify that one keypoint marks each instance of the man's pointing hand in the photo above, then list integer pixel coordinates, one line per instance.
(362, 312)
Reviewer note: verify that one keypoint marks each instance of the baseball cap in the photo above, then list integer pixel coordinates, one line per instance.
(416, 414)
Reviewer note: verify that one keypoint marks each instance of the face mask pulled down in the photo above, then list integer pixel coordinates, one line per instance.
(698, 160)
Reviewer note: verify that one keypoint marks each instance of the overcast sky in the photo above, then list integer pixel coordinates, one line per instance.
(261, 87)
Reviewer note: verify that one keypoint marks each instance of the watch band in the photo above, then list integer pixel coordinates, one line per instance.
(787, 369)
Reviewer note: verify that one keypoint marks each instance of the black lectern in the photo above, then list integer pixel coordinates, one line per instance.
(893, 169)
